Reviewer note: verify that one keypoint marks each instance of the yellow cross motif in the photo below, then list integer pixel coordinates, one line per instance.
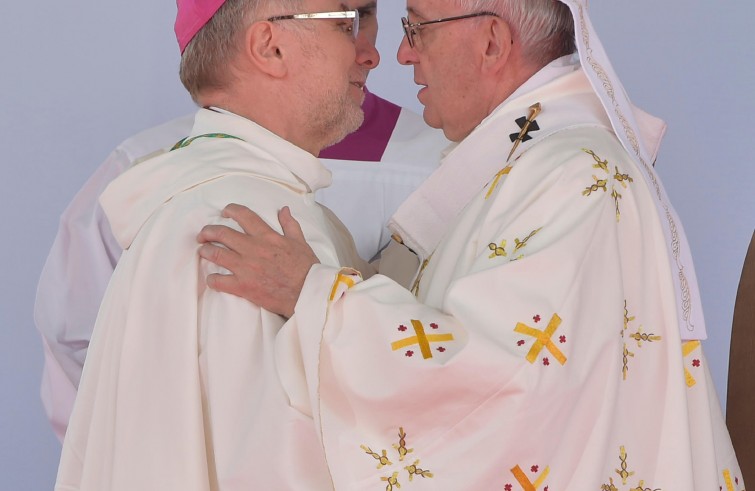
(422, 339)
(687, 349)
(496, 179)
(524, 480)
(543, 339)
(727, 480)
(341, 279)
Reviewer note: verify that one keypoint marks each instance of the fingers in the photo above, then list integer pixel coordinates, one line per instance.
(249, 221)
(224, 283)
(290, 226)
(221, 256)
(214, 233)
(226, 236)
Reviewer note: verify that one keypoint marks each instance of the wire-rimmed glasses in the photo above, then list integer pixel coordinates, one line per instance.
(345, 14)
(410, 29)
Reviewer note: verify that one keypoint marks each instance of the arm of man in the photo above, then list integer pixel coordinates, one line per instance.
(71, 286)
(78, 269)
(531, 347)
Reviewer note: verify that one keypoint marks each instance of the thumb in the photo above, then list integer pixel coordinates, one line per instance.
(290, 226)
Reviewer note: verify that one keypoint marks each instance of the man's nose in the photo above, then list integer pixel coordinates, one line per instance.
(406, 55)
(367, 53)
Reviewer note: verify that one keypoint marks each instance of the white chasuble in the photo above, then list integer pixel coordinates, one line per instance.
(542, 349)
(366, 188)
(180, 390)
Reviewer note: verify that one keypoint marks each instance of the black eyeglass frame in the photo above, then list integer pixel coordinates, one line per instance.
(409, 28)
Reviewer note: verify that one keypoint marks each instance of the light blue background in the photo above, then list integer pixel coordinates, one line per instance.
(78, 77)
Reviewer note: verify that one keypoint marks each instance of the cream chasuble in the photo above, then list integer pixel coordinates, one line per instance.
(180, 389)
(542, 351)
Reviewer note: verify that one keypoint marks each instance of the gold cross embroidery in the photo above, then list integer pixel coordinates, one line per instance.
(524, 481)
(622, 179)
(412, 470)
(727, 480)
(498, 251)
(392, 481)
(401, 447)
(687, 349)
(422, 339)
(504, 172)
(624, 473)
(381, 459)
(520, 244)
(638, 336)
(341, 279)
(543, 339)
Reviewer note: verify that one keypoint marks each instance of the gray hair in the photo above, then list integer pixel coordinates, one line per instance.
(205, 60)
(545, 28)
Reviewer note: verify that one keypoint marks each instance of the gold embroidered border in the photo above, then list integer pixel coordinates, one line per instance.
(687, 349)
(632, 137)
(346, 277)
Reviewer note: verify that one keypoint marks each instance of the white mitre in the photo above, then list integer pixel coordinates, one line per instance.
(640, 134)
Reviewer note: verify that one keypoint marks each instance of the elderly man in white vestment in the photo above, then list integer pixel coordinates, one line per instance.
(181, 389)
(551, 340)
(374, 170)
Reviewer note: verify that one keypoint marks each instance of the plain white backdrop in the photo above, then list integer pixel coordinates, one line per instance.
(78, 77)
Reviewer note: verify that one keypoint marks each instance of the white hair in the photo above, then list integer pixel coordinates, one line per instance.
(544, 28)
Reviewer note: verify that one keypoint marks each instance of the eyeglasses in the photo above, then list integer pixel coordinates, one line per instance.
(411, 29)
(353, 27)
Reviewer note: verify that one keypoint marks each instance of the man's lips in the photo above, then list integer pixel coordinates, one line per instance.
(358, 84)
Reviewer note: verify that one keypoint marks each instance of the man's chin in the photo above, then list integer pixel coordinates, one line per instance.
(431, 119)
(350, 121)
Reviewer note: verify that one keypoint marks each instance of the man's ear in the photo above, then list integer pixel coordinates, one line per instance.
(499, 44)
(263, 49)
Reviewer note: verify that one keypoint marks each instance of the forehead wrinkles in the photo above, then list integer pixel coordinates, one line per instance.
(431, 10)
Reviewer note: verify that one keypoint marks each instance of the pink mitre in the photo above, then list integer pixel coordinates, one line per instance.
(192, 15)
